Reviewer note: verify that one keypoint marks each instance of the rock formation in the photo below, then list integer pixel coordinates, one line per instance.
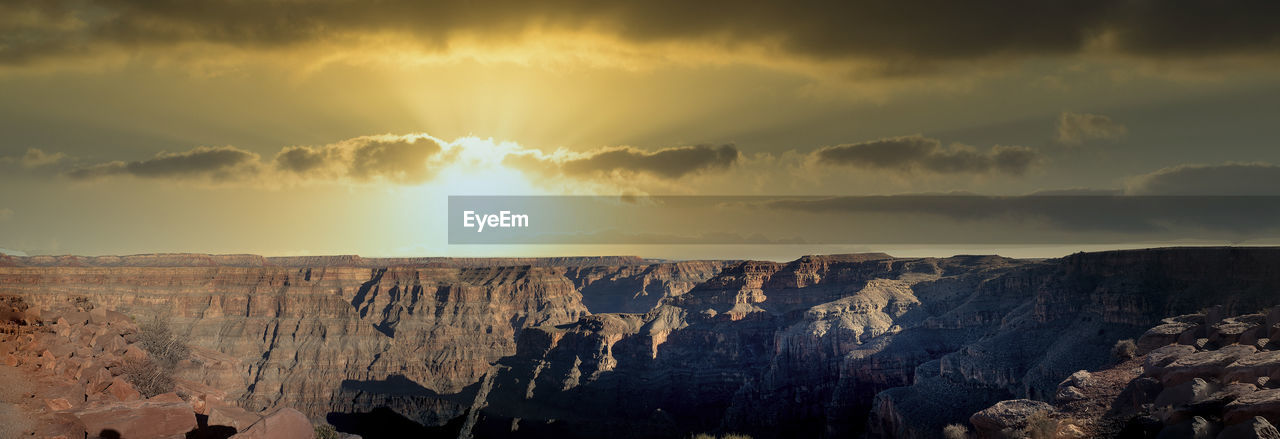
(1198, 375)
(576, 347)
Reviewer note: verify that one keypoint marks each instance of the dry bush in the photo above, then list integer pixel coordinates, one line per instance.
(1041, 426)
(1124, 349)
(165, 347)
(154, 375)
(149, 378)
(955, 431)
(326, 431)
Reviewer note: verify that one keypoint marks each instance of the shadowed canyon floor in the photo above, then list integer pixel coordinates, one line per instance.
(830, 346)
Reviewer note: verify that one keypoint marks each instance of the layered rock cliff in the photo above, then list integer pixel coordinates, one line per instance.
(346, 339)
(577, 347)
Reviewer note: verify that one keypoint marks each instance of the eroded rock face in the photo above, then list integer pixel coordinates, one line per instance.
(823, 345)
(339, 336)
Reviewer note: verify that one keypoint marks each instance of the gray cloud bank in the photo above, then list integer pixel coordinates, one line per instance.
(667, 163)
(1077, 128)
(900, 33)
(1248, 179)
(916, 154)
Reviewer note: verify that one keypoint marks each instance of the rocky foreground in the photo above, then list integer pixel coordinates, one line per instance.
(72, 365)
(1198, 375)
(823, 346)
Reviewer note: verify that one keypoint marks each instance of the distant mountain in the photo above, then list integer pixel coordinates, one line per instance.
(5, 251)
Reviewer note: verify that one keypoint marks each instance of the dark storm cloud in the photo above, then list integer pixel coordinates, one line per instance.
(922, 154)
(219, 163)
(669, 163)
(1248, 179)
(904, 35)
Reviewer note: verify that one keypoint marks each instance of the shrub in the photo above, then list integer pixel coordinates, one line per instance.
(164, 346)
(1124, 349)
(149, 378)
(955, 431)
(1041, 426)
(326, 431)
(154, 375)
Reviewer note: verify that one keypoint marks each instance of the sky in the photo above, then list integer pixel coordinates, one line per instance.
(336, 127)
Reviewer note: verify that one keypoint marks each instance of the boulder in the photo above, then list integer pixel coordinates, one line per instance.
(285, 423)
(162, 417)
(1207, 364)
(231, 416)
(1156, 361)
(122, 390)
(1184, 394)
(134, 353)
(1007, 414)
(1069, 394)
(1249, 368)
(1194, 428)
(1162, 335)
(1264, 403)
(1256, 428)
(109, 343)
(63, 424)
(1228, 331)
(98, 380)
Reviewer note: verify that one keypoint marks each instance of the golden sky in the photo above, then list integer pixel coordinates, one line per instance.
(320, 127)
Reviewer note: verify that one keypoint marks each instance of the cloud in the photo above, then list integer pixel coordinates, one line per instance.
(902, 36)
(1250, 179)
(406, 159)
(921, 154)
(216, 163)
(1077, 128)
(36, 158)
(666, 163)
(399, 159)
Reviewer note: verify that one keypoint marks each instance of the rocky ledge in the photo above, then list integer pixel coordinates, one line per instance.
(1198, 375)
(71, 367)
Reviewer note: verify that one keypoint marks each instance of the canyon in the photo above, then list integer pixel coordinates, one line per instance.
(822, 346)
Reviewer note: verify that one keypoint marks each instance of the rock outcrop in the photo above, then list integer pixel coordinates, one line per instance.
(412, 334)
(824, 345)
(1209, 380)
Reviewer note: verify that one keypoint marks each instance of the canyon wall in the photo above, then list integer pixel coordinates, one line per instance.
(577, 347)
(338, 338)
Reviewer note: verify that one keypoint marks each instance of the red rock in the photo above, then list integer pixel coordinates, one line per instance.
(285, 423)
(133, 352)
(122, 390)
(231, 416)
(62, 424)
(156, 418)
(57, 404)
(109, 343)
(97, 380)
